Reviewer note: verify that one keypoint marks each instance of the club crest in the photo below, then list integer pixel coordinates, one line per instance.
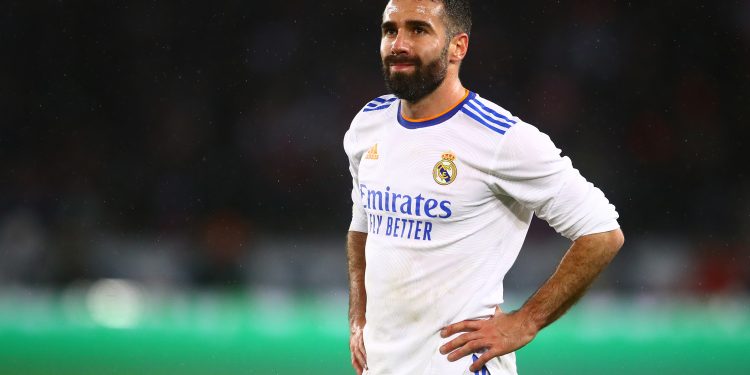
(445, 171)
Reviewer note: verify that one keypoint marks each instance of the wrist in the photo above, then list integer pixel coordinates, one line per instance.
(531, 322)
(356, 323)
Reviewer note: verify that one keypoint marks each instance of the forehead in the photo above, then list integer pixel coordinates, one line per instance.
(424, 10)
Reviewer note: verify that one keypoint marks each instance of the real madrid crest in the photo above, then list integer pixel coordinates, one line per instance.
(445, 170)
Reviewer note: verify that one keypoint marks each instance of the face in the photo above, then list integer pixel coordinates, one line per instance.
(414, 48)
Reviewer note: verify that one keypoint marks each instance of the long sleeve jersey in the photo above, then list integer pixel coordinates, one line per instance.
(446, 203)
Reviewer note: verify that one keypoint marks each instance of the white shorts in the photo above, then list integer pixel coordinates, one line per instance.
(503, 365)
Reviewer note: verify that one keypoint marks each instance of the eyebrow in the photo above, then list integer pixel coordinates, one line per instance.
(410, 24)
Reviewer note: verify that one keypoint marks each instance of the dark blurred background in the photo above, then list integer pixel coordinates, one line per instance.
(203, 128)
(191, 144)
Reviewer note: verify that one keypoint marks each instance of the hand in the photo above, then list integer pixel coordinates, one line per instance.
(501, 334)
(357, 348)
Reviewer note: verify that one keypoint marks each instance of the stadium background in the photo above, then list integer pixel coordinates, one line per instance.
(174, 194)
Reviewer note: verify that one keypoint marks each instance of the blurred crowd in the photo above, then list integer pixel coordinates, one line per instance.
(170, 140)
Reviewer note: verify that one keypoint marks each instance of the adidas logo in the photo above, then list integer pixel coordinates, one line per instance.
(372, 153)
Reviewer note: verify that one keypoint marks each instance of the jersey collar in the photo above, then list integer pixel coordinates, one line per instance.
(438, 119)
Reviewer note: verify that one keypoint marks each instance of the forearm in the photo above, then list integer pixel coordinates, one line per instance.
(355, 252)
(583, 262)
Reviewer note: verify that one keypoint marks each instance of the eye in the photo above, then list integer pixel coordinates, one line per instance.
(389, 32)
(419, 30)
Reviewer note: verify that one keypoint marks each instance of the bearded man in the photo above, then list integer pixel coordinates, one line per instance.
(445, 184)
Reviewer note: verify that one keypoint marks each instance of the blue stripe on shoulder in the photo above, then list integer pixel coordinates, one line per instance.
(482, 121)
(490, 110)
(379, 103)
(486, 116)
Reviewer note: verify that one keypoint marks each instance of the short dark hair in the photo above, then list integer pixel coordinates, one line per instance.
(457, 16)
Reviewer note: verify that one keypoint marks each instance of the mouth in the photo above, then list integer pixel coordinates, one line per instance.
(397, 64)
(401, 67)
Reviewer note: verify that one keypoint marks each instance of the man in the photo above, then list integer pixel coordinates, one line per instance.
(445, 186)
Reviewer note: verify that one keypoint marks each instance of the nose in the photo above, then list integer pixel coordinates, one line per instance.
(401, 44)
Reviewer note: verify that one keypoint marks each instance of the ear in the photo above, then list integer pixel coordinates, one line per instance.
(459, 47)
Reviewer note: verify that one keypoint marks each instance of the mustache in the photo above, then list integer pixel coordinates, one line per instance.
(401, 59)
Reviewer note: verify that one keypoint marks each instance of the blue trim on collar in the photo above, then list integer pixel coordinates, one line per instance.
(438, 120)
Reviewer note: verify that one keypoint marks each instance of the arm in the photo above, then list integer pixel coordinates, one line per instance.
(355, 252)
(504, 333)
(588, 256)
(529, 168)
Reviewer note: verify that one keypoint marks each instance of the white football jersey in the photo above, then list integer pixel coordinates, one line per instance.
(446, 203)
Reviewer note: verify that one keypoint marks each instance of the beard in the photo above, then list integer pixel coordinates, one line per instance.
(421, 82)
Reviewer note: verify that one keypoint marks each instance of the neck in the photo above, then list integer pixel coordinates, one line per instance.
(447, 95)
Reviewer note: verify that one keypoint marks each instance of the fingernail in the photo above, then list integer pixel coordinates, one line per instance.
(443, 332)
(442, 350)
